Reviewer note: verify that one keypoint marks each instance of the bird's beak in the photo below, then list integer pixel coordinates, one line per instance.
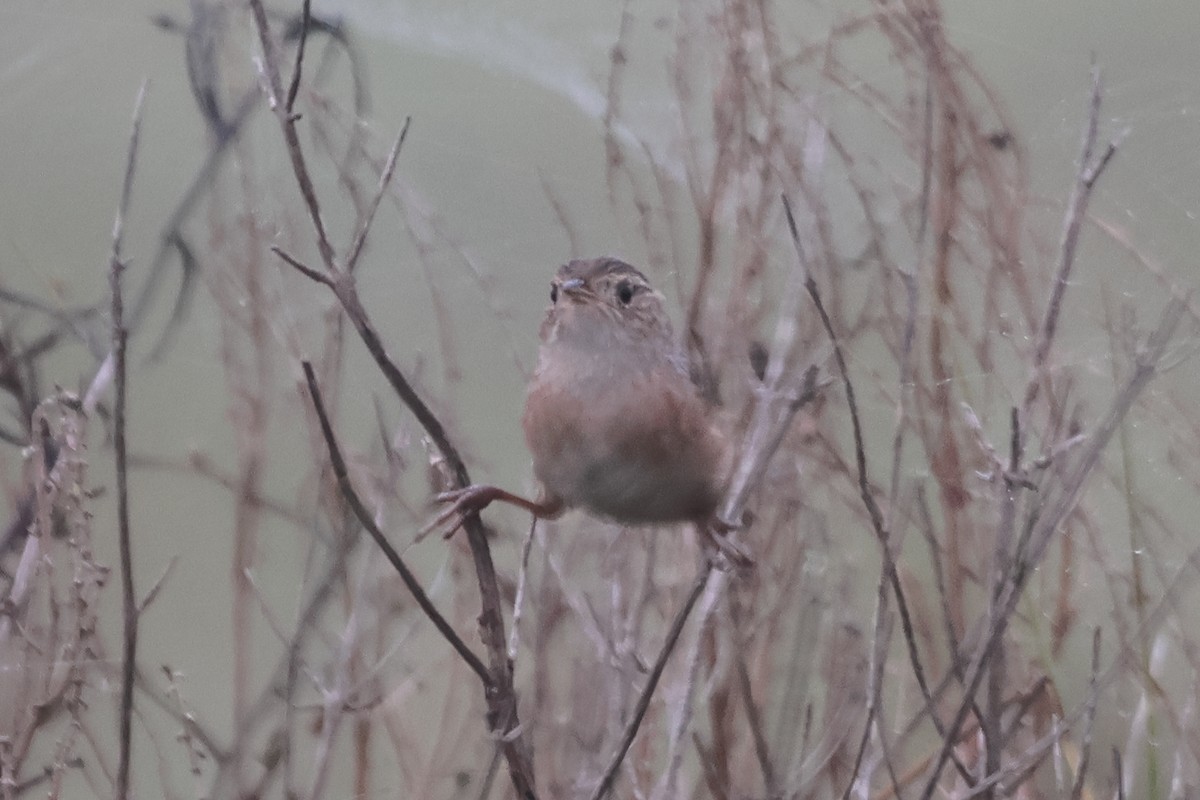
(572, 286)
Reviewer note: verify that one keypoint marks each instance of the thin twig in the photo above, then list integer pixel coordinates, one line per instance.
(1054, 507)
(864, 483)
(385, 180)
(560, 213)
(753, 717)
(1088, 718)
(860, 455)
(501, 697)
(882, 636)
(302, 268)
(713, 593)
(908, 277)
(294, 88)
(1085, 180)
(708, 761)
(364, 517)
(514, 638)
(287, 122)
(990, 722)
(119, 337)
(643, 703)
(939, 577)
(489, 777)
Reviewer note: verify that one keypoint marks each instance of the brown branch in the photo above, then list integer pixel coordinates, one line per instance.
(294, 88)
(939, 576)
(860, 455)
(364, 517)
(287, 122)
(119, 338)
(501, 698)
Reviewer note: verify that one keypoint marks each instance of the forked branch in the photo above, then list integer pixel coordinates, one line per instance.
(498, 687)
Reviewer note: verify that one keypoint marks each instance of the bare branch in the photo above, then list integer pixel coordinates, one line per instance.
(294, 88)
(500, 695)
(753, 716)
(385, 179)
(643, 702)
(364, 516)
(1052, 509)
(1085, 180)
(514, 638)
(864, 484)
(287, 123)
(119, 337)
(1088, 719)
(306, 271)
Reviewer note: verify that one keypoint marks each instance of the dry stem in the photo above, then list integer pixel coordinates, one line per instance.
(119, 337)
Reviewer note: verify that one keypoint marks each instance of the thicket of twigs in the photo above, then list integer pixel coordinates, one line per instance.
(936, 479)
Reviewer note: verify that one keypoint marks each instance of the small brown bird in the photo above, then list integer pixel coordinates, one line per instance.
(613, 421)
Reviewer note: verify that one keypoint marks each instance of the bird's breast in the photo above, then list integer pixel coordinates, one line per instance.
(638, 446)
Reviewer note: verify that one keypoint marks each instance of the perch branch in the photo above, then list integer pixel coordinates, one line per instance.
(499, 693)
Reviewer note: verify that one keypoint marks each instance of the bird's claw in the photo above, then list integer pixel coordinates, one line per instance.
(461, 504)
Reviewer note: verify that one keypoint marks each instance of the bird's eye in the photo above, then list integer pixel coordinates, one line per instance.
(625, 292)
(553, 293)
